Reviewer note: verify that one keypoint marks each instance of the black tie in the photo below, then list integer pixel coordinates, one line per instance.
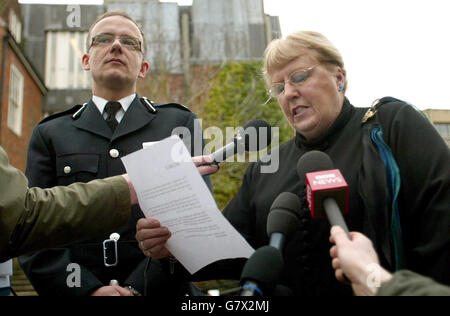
(111, 109)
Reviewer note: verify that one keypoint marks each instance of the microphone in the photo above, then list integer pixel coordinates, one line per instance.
(283, 220)
(261, 272)
(281, 290)
(259, 128)
(326, 188)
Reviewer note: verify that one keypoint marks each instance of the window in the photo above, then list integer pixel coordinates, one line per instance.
(15, 26)
(443, 129)
(63, 68)
(15, 106)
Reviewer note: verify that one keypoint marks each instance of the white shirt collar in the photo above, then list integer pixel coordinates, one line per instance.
(125, 102)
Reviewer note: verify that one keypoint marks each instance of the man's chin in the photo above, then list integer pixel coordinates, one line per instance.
(115, 81)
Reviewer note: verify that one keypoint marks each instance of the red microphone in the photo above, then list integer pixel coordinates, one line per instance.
(326, 190)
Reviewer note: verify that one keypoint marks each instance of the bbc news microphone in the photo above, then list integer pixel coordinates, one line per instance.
(284, 219)
(326, 189)
(262, 272)
(243, 141)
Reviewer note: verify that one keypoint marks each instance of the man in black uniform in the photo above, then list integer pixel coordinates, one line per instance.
(86, 143)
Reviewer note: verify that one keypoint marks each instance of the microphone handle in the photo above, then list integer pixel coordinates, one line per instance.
(251, 289)
(277, 241)
(334, 215)
(223, 153)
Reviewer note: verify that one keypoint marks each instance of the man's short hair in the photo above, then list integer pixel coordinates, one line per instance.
(115, 13)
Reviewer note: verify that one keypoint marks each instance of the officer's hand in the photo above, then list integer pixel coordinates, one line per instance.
(112, 291)
(205, 165)
(152, 238)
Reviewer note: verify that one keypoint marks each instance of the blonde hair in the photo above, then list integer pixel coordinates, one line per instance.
(115, 13)
(281, 52)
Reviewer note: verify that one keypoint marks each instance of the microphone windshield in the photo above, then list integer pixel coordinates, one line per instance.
(284, 217)
(257, 135)
(264, 268)
(313, 161)
(281, 290)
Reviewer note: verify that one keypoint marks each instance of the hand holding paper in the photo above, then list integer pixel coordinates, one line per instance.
(171, 190)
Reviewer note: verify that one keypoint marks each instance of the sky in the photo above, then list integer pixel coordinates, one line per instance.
(398, 48)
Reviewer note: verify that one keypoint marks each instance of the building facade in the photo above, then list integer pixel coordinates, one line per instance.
(55, 37)
(441, 121)
(21, 88)
(178, 39)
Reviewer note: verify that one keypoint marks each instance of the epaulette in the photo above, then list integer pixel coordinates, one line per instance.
(152, 106)
(149, 104)
(174, 105)
(77, 109)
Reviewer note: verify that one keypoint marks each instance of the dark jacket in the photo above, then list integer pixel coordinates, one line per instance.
(80, 147)
(34, 219)
(424, 161)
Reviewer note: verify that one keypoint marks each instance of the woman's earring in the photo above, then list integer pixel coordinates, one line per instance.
(341, 88)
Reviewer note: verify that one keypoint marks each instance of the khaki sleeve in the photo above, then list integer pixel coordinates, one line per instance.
(408, 283)
(35, 219)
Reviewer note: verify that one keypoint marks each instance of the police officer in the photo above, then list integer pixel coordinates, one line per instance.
(87, 142)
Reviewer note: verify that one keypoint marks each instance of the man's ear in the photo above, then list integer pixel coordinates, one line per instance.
(85, 62)
(145, 67)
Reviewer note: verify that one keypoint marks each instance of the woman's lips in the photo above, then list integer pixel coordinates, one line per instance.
(299, 110)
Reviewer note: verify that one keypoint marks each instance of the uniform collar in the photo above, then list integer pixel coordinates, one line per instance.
(323, 142)
(125, 102)
(135, 118)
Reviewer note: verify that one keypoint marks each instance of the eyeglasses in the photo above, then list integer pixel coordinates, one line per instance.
(106, 39)
(296, 78)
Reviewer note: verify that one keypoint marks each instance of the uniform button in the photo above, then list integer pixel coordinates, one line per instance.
(114, 153)
(67, 170)
(114, 236)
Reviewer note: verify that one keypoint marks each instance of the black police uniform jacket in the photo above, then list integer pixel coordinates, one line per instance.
(78, 146)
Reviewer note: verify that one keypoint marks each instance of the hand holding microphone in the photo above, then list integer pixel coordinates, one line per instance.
(205, 165)
(244, 142)
(356, 261)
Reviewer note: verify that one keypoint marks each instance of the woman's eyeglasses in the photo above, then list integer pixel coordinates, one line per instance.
(296, 78)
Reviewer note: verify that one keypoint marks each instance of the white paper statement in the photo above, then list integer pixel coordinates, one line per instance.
(170, 189)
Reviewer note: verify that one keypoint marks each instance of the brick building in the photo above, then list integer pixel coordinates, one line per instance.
(441, 121)
(21, 88)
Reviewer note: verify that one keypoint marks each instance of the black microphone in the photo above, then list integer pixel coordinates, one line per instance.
(281, 290)
(326, 188)
(248, 139)
(284, 219)
(262, 272)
